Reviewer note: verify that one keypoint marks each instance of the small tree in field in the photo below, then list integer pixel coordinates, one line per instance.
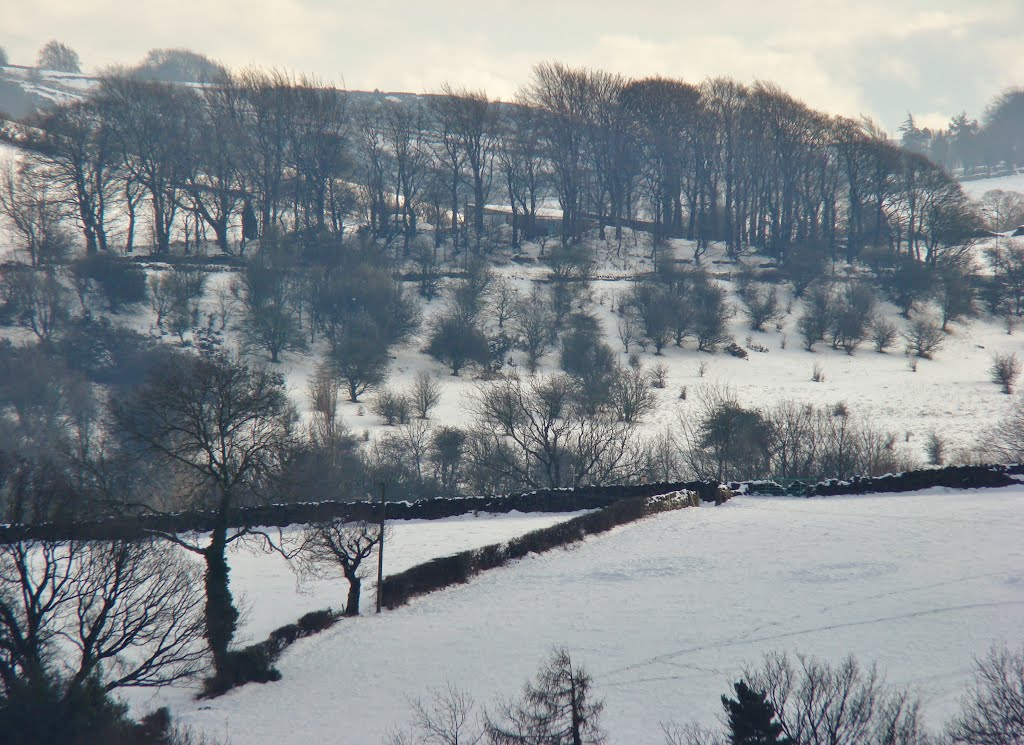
(924, 338)
(883, 334)
(457, 342)
(1005, 370)
(631, 395)
(447, 717)
(425, 394)
(762, 306)
(534, 326)
(327, 548)
(360, 358)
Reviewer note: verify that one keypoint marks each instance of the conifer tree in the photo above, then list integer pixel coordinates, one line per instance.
(751, 718)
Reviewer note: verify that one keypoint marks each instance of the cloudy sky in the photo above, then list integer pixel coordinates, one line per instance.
(876, 57)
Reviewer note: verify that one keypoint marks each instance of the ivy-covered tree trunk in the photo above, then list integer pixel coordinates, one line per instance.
(354, 588)
(221, 614)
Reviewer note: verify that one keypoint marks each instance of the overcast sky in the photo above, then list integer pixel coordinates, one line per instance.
(876, 57)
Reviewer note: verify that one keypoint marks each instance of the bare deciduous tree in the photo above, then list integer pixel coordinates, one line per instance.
(533, 434)
(225, 429)
(56, 55)
(992, 710)
(924, 337)
(35, 216)
(821, 704)
(1005, 369)
(534, 325)
(448, 716)
(129, 612)
(631, 394)
(326, 548)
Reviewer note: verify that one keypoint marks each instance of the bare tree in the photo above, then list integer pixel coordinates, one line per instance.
(992, 710)
(322, 391)
(533, 434)
(56, 55)
(457, 341)
(924, 337)
(74, 146)
(333, 546)
(425, 394)
(35, 215)
(212, 189)
(1005, 370)
(691, 734)
(40, 300)
(883, 333)
(125, 613)
(225, 429)
(1005, 441)
(533, 323)
(151, 127)
(505, 298)
(520, 154)
(628, 330)
(562, 95)
(447, 717)
(762, 306)
(724, 439)
(1002, 210)
(632, 396)
(820, 704)
(446, 450)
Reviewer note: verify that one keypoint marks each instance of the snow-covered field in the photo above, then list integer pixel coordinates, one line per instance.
(978, 187)
(267, 587)
(268, 593)
(665, 612)
(951, 395)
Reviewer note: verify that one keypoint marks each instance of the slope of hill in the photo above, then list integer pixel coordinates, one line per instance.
(665, 612)
(978, 187)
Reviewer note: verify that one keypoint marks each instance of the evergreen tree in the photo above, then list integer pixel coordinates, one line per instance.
(752, 719)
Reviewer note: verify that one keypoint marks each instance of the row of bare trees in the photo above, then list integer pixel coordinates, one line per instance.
(750, 166)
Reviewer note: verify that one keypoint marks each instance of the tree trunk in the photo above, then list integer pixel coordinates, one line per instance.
(354, 587)
(221, 614)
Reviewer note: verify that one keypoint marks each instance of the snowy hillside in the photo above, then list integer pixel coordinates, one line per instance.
(977, 187)
(269, 589)
(665, 612)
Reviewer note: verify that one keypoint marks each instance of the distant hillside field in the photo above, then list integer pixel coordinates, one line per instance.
(665, 612)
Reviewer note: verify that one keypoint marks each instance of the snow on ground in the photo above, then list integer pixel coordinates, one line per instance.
(665, 612)
(951, 395)
(978, 187)
(267, 586)
(269, 595)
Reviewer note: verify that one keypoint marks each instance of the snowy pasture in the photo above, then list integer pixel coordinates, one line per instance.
(272, 597)
(977, 187)
(666, 611)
